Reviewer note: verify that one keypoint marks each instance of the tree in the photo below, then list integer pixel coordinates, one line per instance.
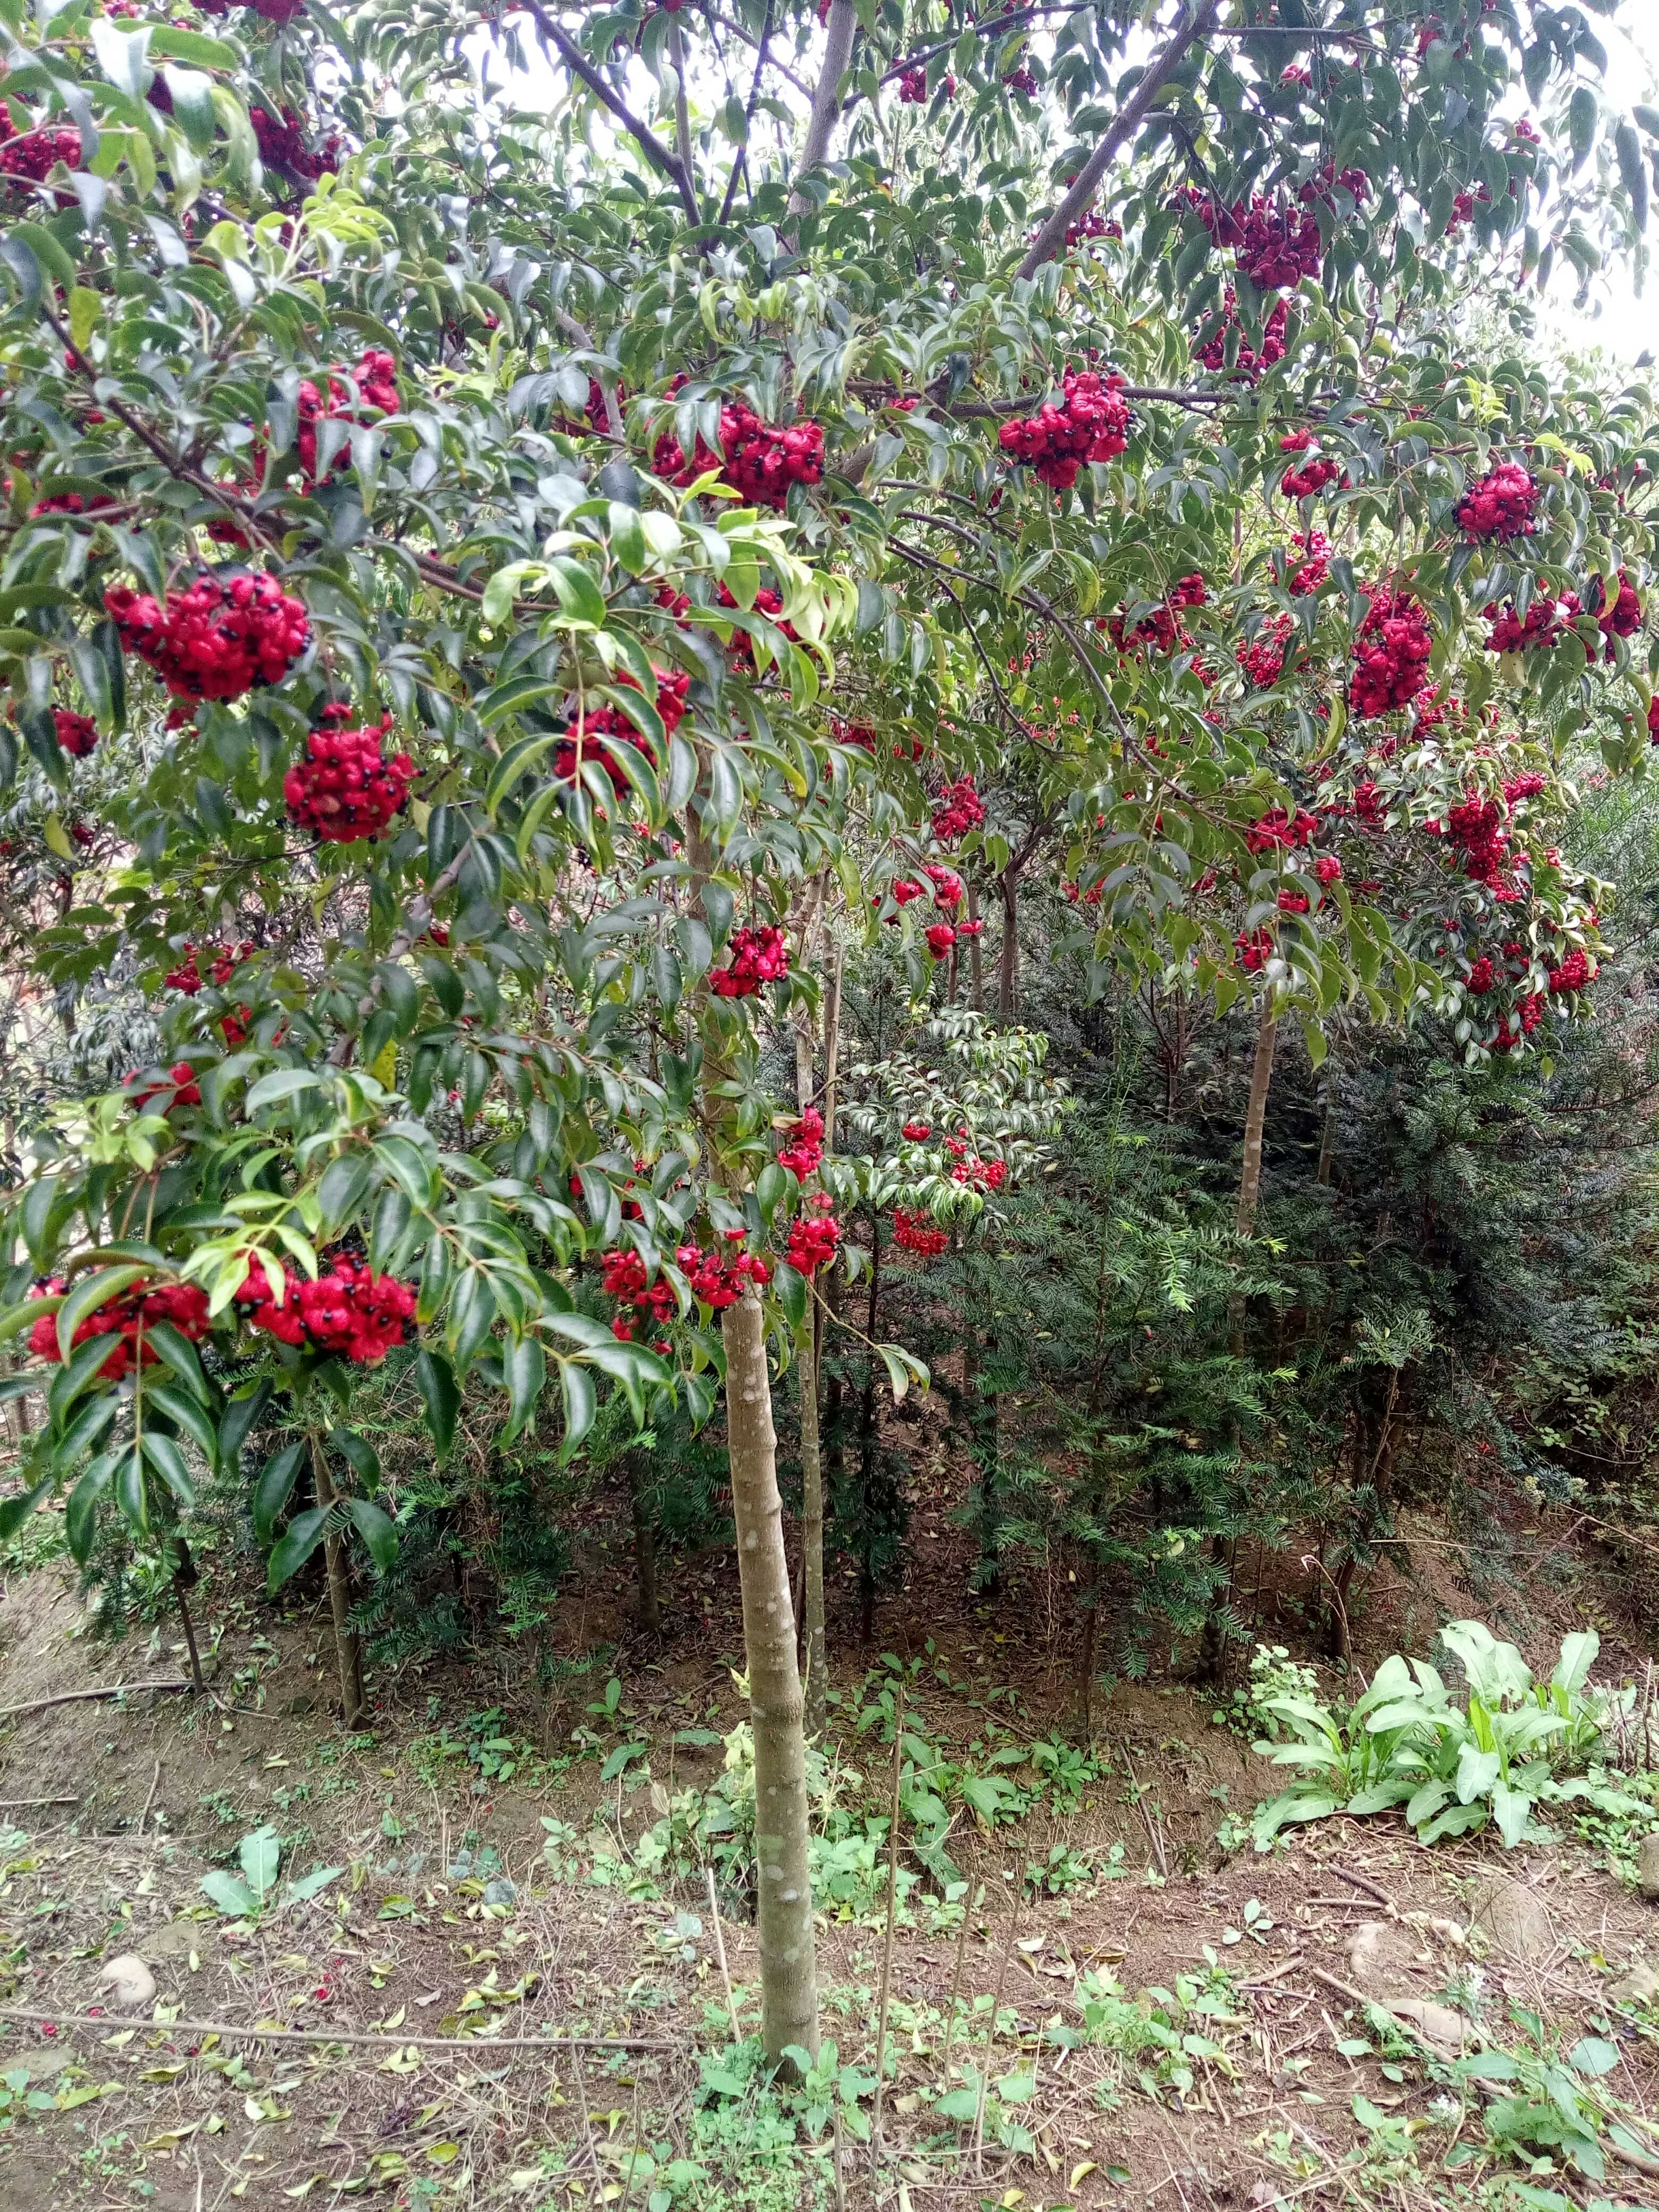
(630, 526)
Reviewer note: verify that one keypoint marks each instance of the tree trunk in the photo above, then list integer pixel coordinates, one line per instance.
(1008, 965)
(1261, 1076)
(348, 1646)
(184, 1579)
(789, 1998)
(815, 1653)
(975, 964)
(869, 1446)
(645, 1546)
(1327, 1138)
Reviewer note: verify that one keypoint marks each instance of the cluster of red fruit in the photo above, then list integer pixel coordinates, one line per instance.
(32, 155)
(160, 1094)
(916, 1232)
(1021, 80)
(1525, 1017)
(76, 734)
(814, 1235)
(1263, 658)
(740, 649)
(228, 632)
(1391, 652)
(281, 141)
(1475, 830)
(376, 379)
(974, 1173)
(1278, 832)
(127, 1320)
(1275, 245)
(1163, 629)
(1315, 473)
(1545, 621)
(714, 1281)
(345, 787)
(350, 1311)
(1091, 423)
(625, 1278)
(959, 809)
(586, 740)
(187, 977)
(1253, 950)
(760, 460)
(71, 503)
(1249, 362)
(758, 955)
(1315, 564)
(1501, 504)
(805, 1149)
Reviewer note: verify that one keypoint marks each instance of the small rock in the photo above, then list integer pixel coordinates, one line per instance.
(129, 1981)
(1438, 2024)
(301, 1705)
(1640, 1986)
(1381, 1958)
(501, 1892)
(1514, 1919)
(178, 1939)
(1647, 1864)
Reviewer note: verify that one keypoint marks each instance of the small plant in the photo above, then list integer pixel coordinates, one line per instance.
(246, 1896)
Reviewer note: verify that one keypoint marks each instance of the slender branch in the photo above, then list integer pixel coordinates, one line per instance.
(682, 109)
(741, 162)
(771, 61)
(642, 133)
(1127, 120)
(81, 1697)
(826, 99)
(469, 2043)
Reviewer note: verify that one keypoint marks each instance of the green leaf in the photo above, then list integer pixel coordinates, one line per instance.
(582, 1404)
(93, 1291)
(165, 1456)
(229, 1893)
(525, 1368)
(276, 1487)
(259, 1854)
(239, 1417)
(435, 1380)
(304, 1534)
(378, 1532)
(189, 1414)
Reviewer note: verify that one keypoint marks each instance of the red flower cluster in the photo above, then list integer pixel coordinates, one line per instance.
(230, 632)
(947, 884)
(1253, 950)
(1021, 80)
(281, 141)
(1162, 629)
(804, 1150)
(714, 1283)
(180, 1304)
(1546, 619)
(1390, 652)
(759, 459)
(32, 155)
(916, 1232)
(345, 788)
(186, 976)
(1503, 504)
(960, 809)
(814, 1235)
(1331, 181)
(977, 1174)
(1263, 659)
(1572, 974)
(1328, 868)
(1316, 549)
(376, 376)
(1278, 831)
(1620, 617)
(1275, 245)
(1476, 830)
(160, 1094)
(625, 1278)
(76, 734)
(1292, 902)
(350, 1311)
(1092, 423)
(1249, 362)
(758, 955)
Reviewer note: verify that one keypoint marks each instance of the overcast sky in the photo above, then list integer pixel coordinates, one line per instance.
(1624, 327)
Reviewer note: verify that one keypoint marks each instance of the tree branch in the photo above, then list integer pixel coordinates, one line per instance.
(826, 100)
(740, 163)
(643, 136)
(1124, 124)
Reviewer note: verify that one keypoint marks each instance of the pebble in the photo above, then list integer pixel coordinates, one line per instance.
(128, 1980)
(1647, 1864)
(501, 1890)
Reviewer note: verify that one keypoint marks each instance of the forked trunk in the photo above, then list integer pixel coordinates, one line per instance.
(184, 1579)
(789, 1997)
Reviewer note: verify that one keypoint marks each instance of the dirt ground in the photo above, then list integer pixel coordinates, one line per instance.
(1173, 2020)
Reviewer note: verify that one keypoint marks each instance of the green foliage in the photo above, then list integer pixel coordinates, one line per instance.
(251, 1893)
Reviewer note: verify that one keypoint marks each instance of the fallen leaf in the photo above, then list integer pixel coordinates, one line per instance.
(1084, 2165)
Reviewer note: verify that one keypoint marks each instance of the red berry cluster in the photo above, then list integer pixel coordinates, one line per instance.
(625, 1279)
(940, 938)
(160, 1094)
(1316, 565)
(1547, 620)
(740, 649)
(947, 884)
(1503, 504)
(376, 378)
(1090, 897)
(1391, 652)
(814, 1235)
(1275, 245)
(1091, 423)
(1315, 473)
(1574, 972)
(70, 502)
(76, 734)
(31, 154)
(281, 141)
(977, 1174)
(759, 459)
(1163, 629)
(1292, 902)
(1620, 617)
(1250, 363)
(1523, 1019)
(1294, 75)
(186, 976)
(715, 1282)
(230, 631)
(1476, 830)
(350, 1311)
(181, 1305)
(1480, 977)
(1263, 658)
(758, 955)
(1332, 180)
(586, 740)
(1278, 831)
(915, 1232)
(959, 809)
(345, 788)
(805, 1149)
(1254, 950)
(1091, 225)
(913, 87)
(916, 1133)
(1021, 80)
(1524, 786)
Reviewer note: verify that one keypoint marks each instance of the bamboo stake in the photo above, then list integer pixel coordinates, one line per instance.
(978, 2145)
(887, 1945)
(719, 1952)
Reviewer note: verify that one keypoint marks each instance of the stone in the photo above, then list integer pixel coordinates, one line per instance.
(501, 1892)
(178, 1938)
(1640, 1986)
(128, 1982)
(1445, 2030)
(1514, 1919)
(1381, 1955)
(1647, 1864)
